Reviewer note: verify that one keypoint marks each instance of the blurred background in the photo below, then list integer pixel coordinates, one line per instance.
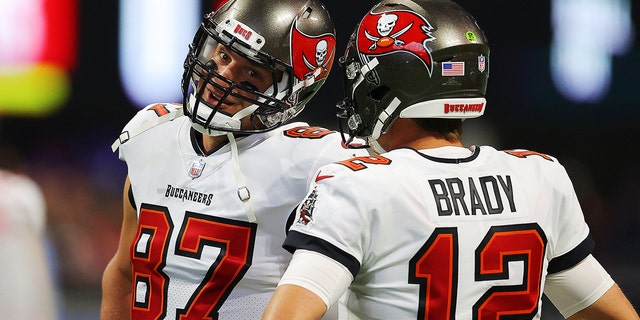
(564, 75)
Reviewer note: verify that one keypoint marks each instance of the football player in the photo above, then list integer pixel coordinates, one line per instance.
(211, 183)
(429, 228)
(28, 289)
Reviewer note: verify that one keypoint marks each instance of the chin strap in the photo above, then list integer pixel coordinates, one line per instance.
(383, 118)
(243, 191)
(375, 147)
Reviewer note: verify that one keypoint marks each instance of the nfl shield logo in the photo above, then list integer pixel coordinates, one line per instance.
(196, 168)
(482, 62)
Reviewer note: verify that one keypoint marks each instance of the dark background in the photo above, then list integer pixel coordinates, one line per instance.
(69, 154)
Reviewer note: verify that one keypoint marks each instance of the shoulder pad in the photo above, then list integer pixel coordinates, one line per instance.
(147, 118)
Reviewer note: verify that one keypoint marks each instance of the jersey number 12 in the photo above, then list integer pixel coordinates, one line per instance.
(435, 268)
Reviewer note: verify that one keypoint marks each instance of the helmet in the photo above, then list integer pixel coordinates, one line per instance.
(412, 59)
(293, 39)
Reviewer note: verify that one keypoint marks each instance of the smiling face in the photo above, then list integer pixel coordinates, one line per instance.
(227, 88)
(225, 81)
(233, 81)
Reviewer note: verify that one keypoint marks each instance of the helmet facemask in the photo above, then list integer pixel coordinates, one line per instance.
(267, 109)
(352, 118)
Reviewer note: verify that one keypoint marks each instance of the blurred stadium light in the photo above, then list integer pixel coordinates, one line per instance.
(153, 44)
(586, 34)
(38, 49)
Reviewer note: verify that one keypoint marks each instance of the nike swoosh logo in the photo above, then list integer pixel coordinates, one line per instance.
(319, 177)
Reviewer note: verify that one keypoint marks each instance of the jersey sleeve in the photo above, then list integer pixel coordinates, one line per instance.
(572, 242)
(330, 219)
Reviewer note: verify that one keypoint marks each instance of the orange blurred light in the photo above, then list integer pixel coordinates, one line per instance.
(35, 66)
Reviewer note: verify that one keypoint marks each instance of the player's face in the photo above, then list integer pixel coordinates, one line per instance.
(245, 73)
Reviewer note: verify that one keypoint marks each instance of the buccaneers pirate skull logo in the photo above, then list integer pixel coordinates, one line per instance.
(396, 30)
(316, 56)
(305, 210)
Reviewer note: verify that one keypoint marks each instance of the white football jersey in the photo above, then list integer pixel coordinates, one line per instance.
(22, 202)
(446, 233)
(197, 254)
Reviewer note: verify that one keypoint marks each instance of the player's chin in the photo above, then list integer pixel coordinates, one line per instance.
(231, 109)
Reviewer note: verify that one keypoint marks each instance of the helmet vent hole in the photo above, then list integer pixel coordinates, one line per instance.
(378, 93)
(307, 13)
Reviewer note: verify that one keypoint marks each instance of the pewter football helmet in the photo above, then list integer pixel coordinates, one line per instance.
(412, 59)
(293, 39)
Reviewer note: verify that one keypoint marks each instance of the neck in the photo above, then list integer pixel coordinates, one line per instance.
(210, 143)
(429, 142)
(406, 133)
